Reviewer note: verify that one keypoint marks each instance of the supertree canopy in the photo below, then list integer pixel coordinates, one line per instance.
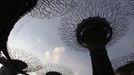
(130, 7)
(109, 11)
(124, 65)
(52, 8)
(55, 69)
(34, 64)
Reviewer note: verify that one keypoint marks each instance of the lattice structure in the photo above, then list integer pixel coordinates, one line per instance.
(108, 9)
(130, 7)
(124, 64)
(52, 8)
(34, 64)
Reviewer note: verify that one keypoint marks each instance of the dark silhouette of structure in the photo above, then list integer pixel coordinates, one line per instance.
(111, 10)
(126, 69)
(93, 26)
(11, 12)
(124, 65)
(9, 69)
(94, 33)
(53, 73)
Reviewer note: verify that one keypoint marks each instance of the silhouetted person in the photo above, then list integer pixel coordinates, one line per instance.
(9, 69)
(11, 12)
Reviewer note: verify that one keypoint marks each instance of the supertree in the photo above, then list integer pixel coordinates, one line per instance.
(92, 26)
(52, 8)
(55, 69)
(11, 12)
(109, 10)
(33, 63)
(124, 65)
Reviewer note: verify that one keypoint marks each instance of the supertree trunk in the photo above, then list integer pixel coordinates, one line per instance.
(101, 63)
(94, 33)
(93, 26)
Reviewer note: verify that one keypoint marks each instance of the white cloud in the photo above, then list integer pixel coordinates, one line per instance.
(47, 55)
(55, 55)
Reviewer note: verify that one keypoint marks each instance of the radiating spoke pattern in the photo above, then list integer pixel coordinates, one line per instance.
(111, 10)
(52, 8)
(34, 64)
(124, 65)
(130, 7)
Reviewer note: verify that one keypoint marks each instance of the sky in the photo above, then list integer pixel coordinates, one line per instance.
(40, 37)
